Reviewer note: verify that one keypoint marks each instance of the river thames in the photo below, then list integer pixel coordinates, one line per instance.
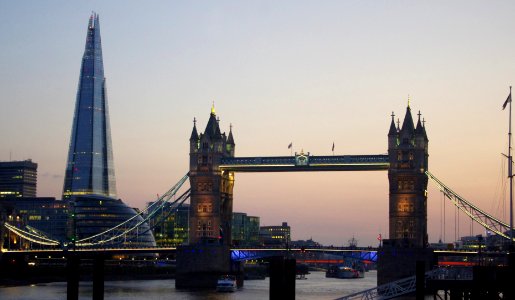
(316, 286)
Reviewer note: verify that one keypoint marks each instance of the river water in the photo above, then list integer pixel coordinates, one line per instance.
(315, 287)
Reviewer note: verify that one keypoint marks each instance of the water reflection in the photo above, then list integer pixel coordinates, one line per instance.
(315, 287)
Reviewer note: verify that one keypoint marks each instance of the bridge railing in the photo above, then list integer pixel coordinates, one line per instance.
(290, 160)
(393, 289)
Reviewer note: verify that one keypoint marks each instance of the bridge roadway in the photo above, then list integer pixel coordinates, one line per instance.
(236, 253)
(305, 162)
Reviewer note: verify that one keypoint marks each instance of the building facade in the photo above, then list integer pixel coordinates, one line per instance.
(171, 225)
(211, 189)
(279, 236)
(89, 183)
(90, 168)
(92, 214)
(18, 179)
(408, 155)
(245, 230)
(44, 214)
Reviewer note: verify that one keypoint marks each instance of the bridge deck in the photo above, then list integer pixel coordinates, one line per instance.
(300, 163)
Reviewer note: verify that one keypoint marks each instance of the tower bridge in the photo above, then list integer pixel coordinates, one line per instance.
(212, 169)
(213, 166)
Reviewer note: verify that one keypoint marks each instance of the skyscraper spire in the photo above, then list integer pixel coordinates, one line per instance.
(90, 168)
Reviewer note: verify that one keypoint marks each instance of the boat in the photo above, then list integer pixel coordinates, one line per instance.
(344, 272)
(226, 283)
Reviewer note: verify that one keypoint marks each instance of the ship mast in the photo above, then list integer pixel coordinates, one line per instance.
(510, 175)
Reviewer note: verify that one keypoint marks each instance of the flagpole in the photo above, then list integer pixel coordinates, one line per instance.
(510, 175)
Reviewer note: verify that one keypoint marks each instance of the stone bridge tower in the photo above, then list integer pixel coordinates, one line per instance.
(408, 155)
(211, 189)
(208, 254)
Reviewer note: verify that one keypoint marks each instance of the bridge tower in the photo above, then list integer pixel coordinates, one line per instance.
(208, 255)
(407, 243)
(211, 189)
(408, 156)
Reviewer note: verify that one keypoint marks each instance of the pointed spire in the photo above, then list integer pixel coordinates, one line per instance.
(213, 112)
(407, 124)
(424, 129)
(398, 125)
(194, 133)
(392, 130)
(419, 128)
(212, 127)
(230, 139)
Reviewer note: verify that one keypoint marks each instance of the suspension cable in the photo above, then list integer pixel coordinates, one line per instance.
(484, 219)
(152, 208)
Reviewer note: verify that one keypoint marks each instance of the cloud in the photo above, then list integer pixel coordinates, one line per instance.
(53, 176)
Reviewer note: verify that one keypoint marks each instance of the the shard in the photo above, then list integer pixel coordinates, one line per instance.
(90, 169)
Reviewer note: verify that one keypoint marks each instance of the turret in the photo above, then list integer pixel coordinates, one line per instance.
(194, 139)
(393, 134)
(230, 143)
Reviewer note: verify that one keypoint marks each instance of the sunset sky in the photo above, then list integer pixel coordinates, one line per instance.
(307, 72)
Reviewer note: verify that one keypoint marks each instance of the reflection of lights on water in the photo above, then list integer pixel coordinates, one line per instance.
(32, 285)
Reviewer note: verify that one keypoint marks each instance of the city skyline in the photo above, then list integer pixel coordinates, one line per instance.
(306, 74)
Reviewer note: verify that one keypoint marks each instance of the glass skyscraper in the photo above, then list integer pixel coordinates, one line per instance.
(90, 167)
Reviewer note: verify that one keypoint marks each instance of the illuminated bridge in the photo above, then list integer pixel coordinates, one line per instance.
(305, 162)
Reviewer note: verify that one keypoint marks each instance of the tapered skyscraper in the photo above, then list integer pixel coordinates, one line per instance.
(90, 167)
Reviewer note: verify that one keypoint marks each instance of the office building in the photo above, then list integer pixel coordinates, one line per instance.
(89, 183)
(170, 225)
(245, 230)
(46, 215)
(275, 235)
(90, 168)
(18, 179)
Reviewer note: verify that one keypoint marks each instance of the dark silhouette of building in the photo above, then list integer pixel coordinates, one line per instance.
(408, 155)
(18, 179)
(90, 167)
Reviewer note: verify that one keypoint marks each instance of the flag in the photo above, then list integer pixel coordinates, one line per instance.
(508, 100)
(379, 237)
(290, 145)
(333, 146)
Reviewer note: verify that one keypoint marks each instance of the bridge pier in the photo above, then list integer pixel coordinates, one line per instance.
(98, 277)
(282, 278)
(72, 277)
(200, 266)
(396, 262)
